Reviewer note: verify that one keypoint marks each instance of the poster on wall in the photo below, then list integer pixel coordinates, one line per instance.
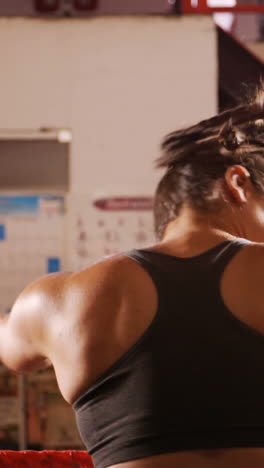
(50, 420)
(32, 233)
(32, 243)
(103, 226)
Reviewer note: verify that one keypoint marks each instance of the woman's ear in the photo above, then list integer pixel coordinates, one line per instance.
(237, 179)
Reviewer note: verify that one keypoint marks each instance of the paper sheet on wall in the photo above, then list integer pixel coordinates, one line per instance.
(104, 226)
(51, 422)
(9, 411)
(32, 232)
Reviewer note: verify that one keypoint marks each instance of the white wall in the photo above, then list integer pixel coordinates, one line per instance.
(120, 84)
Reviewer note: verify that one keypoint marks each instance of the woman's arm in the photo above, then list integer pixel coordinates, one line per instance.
(24, 340)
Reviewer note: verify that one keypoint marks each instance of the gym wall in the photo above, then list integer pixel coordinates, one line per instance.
(119, 84)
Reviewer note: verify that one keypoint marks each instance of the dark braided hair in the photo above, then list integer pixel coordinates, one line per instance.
(197, 157)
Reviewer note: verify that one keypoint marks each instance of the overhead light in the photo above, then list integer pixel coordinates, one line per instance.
(226, 22)
(64, 135)
(46, 6)
(221, 3)
(85, 5)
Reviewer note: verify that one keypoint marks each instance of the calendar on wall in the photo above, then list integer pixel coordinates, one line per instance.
(32, 244)
(32, 241)
(103, 226)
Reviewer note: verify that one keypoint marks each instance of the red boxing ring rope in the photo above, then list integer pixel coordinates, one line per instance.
(47, 459)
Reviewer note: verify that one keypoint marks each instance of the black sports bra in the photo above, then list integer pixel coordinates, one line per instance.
(194, 380)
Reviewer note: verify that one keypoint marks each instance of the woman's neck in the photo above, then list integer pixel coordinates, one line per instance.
(203, 229)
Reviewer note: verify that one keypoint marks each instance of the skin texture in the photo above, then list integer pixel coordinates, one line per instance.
(94, 316)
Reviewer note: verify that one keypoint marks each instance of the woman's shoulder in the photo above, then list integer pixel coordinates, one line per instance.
(242, 285)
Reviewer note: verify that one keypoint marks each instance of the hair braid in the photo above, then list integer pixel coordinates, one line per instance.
(197, 156)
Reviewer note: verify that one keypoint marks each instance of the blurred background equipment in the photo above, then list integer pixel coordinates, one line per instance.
(50, 458)
(85, 5)
(46, 6)
(51, 6)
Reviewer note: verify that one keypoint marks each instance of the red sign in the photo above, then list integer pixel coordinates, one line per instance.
(124, 204)
(213, 6)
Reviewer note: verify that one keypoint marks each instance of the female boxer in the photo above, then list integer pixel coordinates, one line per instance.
(160, 351)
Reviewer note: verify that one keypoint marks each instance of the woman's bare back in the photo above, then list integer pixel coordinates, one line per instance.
(220, 458)
(241, 294)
